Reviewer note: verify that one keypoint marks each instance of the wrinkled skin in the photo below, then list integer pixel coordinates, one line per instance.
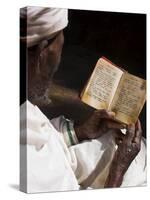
(99, 123)
(128, 148)
(43, 61)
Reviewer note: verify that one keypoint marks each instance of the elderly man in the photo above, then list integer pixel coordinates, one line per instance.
(58, 154)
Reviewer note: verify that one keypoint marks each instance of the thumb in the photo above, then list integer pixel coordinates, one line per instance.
(99, 114)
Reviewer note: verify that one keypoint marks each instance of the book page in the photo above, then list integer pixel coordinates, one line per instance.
(102, 85)
(129, 98)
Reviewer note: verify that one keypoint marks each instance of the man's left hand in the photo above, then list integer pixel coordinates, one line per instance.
(96, 125)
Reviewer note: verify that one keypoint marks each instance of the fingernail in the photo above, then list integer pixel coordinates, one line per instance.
(112, 113)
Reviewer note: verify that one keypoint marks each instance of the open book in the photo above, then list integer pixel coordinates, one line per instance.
(114, 89)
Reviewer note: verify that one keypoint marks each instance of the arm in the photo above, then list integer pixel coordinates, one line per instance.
(94, 127)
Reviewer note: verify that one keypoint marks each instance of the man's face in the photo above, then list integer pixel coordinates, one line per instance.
(43, 61)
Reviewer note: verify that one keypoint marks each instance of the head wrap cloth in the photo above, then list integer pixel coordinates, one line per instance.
(43, 23)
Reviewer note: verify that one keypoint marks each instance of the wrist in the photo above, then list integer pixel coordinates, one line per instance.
(80, 133)
(116, 174)
(114, 180)
(69, 133)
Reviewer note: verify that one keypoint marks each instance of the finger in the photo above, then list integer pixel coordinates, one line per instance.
(138, 133)
(130, 133)
(118, 141)
(114, 125)
(138, 125)
(119, 136)
(104, 114)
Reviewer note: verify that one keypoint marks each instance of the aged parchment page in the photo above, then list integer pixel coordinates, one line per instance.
(129, 98)
(102, 85)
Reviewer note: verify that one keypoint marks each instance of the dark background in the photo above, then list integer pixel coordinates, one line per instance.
(120, 37)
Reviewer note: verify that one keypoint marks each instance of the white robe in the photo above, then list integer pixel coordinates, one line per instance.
(52, 166)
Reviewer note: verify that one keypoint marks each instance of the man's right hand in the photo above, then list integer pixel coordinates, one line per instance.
(125, 154)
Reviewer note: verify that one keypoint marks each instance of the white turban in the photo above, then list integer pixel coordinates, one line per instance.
(43, 23)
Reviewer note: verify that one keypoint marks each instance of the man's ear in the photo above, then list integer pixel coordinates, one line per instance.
(56, 44)
(42, 45)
